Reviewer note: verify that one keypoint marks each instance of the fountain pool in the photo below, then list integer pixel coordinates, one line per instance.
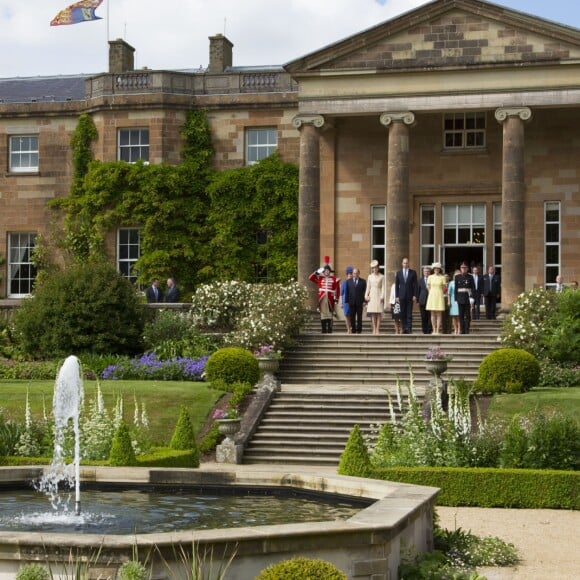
(366, 545)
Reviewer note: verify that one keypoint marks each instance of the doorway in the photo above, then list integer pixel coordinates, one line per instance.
(452, 256)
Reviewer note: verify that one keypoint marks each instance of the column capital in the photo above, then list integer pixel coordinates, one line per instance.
(316, 120)
(524, 113)
(407, 117)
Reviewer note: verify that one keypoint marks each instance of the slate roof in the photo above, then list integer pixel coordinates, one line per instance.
(43, 89)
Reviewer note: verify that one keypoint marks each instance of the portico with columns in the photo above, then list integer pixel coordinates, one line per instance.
(430, 136)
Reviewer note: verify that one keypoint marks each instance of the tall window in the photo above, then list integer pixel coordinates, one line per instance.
(463, 130)
(128, 251)
(21, 270)
(261, 142)
(23, 153)
(427, 235)
(378, 234)
(463, 224)
(497, 238)
(133, 145)
(551, 241)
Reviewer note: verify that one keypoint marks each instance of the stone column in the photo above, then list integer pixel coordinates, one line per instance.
(397, 236)
(309, 201)
(512, 203)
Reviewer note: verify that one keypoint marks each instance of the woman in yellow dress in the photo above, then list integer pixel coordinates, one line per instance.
(436, 298)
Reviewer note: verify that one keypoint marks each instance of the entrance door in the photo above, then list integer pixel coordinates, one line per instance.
(452, 256)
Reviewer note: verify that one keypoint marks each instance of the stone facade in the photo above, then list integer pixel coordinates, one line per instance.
(368, 119)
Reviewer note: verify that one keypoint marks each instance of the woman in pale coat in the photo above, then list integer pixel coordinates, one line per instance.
(375, 296)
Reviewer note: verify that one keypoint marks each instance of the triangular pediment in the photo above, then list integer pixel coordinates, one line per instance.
(447, 34)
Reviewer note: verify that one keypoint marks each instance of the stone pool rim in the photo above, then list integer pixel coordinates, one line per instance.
(367, 545)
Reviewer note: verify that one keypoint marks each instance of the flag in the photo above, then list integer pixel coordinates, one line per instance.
(82, 11)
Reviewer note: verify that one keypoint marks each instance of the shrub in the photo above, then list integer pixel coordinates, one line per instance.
(133, 571)
(232, 365)
(355, 460)
(541, 441)
(303, 568)
(88, 307)
(33, 572)
(563, 342)
(122, 453)
(211, 439)
(508, 370)
(183, 436)
(559, 374)
(150, 367)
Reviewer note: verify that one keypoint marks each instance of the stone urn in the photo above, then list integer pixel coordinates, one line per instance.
(229, 427)
(268, 365)
(437, 367)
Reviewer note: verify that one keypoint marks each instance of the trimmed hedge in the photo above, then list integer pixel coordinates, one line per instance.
(232, 365)
(488, 487)
(508, 370)
(303, 569)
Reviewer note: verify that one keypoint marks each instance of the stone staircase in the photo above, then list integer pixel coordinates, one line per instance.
(330, 382)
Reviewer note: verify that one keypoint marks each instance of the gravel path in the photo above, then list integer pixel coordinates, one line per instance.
(548, 541)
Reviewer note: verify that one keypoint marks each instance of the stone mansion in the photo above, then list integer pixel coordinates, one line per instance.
(449, 133)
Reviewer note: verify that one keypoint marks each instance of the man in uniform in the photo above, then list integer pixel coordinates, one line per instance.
(328, 293)
(464, 289)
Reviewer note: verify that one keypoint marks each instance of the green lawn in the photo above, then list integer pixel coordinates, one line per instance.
(162, 399)
(565, 400)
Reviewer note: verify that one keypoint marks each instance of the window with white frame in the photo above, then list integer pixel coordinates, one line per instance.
(133, 145)
(464, 130)
(379, 234)
(261, 142)
(128, 251)
(463, 224)
(23, 153)
(427, 235)
(497, 238)
(551, 242)
(21, 269)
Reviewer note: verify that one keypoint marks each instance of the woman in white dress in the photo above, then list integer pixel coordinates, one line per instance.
(375, 296)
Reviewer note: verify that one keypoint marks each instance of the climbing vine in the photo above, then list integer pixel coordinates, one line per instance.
(192, 220)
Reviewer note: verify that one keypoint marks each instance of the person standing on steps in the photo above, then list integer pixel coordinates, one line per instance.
(345, 306)
(463, 295)
(436, 299)
(375, 296)
(422, 294)
(477, 291)
(328, 294)
(406, 294)
(356, 289)
(491, 290)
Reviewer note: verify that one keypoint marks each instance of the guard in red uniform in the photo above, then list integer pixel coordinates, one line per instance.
(328, 293)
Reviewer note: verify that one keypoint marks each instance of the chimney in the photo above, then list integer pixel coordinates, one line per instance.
(121, 56)
(220, 53)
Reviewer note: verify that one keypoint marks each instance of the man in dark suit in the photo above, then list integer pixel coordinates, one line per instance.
(477, 291)
(491, 290)
(172, 291)
(463, 296)
(422, 295)
(356, 289)
(154, 294)
(406, 294)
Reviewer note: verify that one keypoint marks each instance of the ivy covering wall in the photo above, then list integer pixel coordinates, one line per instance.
(196, 224)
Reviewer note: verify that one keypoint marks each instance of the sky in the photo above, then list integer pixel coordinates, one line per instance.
(173, 34)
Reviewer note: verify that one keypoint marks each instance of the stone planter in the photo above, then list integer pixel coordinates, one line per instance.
(268, 365)
(229, 427)
(437, 367)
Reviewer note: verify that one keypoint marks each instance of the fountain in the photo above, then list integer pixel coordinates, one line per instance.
(66, 406)
(365, 545)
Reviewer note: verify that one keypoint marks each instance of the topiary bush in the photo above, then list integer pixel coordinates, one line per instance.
(508, 370)
(122, 453)
(303, 569)
(184, 437)
(355, 459)
(232, 365)
(88, 307)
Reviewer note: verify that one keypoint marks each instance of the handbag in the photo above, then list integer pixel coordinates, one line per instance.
(396, 308)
